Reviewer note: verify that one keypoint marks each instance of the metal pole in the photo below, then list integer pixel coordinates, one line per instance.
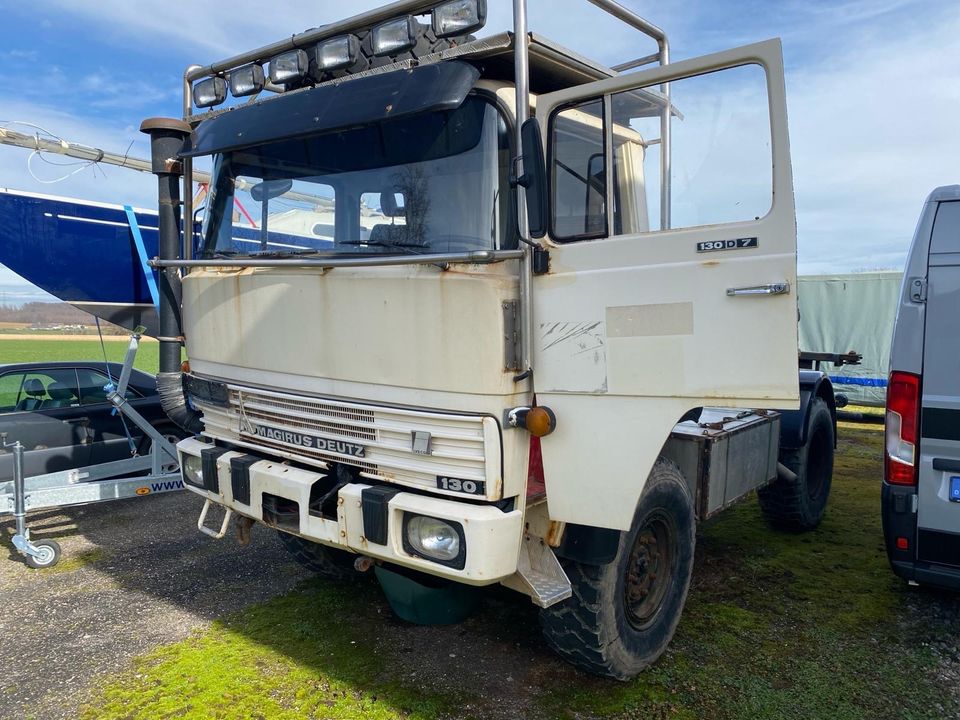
(188, 170)
(522, 79)
(19, 490)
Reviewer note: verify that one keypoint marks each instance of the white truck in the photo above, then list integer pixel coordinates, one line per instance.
(567, 340)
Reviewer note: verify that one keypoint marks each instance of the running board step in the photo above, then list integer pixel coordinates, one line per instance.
(542, 573)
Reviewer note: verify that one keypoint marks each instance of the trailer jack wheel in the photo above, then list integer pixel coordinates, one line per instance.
(623, 614)
(41, 554)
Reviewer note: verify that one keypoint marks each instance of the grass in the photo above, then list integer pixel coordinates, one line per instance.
(19, 351)
(777, 625)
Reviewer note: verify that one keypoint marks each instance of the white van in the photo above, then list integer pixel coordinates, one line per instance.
(921, 488)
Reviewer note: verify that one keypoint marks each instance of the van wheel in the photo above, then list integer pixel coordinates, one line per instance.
(800, 504)
(328, 563)
(623, 614)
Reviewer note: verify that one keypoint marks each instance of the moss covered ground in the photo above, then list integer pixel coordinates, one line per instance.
(777, 625)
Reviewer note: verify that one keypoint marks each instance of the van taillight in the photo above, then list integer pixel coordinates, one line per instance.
(902, 427)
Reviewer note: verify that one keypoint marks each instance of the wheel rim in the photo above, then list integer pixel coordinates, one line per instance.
(45, 556)
(649, 571)
(816, 470)
(170, 467)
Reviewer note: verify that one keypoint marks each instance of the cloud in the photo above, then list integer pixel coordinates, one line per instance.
(873, 131)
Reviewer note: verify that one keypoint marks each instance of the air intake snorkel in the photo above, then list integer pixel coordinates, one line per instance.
(166, 141)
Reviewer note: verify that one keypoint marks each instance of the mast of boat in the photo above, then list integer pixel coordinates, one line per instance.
(80, 152)
(94, 155)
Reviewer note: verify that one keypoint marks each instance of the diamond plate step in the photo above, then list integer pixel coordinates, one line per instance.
(540, 570)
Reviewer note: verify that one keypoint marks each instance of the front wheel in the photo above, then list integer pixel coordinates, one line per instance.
(623, 614)
(799, 504)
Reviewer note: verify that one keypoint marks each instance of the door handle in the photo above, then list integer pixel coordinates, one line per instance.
(771, 289)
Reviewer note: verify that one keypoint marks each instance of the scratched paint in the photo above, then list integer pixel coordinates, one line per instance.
(573, 356)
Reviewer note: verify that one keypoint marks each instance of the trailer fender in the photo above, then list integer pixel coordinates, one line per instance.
(793, 423)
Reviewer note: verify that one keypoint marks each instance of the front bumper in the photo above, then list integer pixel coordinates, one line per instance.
(491, 538)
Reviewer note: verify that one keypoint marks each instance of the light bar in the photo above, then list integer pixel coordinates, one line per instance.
(247, 80)
(288, 67)
(395, 37)
(338, 53)
(209, 92)
(459, 17)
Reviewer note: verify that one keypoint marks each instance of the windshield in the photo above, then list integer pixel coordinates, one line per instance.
(429, 183)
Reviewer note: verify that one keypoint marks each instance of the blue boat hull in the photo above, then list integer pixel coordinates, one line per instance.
(81, 252)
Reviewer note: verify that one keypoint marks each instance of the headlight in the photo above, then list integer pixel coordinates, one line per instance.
(246, 81)
(288, 67)
(192, 470)
(337, 53)
(211, 91)
(459, 17)
(395, 36)
(433, 538)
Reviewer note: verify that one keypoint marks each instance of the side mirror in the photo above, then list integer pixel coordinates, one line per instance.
(534, 178)
(269, 189)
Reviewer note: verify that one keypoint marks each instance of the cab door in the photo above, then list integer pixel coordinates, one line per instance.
(672, 278)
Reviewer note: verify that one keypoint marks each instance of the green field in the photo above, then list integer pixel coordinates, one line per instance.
(777, 625)
(15, 350)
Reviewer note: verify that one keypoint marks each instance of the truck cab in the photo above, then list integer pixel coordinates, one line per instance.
(431, 333)
(921, 486)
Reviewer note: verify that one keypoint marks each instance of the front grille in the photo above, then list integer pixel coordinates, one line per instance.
(458, 448)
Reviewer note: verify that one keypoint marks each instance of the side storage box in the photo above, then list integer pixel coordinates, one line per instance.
(725, 455)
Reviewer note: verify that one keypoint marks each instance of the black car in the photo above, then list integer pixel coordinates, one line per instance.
(60, 413)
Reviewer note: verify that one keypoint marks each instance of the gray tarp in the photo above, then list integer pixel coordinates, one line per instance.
(851, 312)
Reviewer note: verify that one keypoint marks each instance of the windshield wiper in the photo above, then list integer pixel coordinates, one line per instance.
(405, 247)
(267, 254)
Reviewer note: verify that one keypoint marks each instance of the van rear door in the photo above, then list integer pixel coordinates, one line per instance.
(938, 512)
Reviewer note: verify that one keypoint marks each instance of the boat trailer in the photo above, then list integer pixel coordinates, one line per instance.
(91, 484)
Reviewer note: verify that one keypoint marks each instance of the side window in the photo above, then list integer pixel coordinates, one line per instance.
(92, 384)
(50, 389)
(578, 172)
(946, 229)
(719, 156)
(10, 394)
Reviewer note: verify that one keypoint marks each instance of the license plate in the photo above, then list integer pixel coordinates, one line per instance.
(955, 489)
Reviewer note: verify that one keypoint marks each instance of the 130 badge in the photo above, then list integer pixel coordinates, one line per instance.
(471, 487)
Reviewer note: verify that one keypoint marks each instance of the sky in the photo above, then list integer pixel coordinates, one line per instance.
(873, 92)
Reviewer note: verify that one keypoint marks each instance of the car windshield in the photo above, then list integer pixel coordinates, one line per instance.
(429, 183)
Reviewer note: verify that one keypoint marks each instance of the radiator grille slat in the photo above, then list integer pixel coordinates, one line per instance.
(457, 442)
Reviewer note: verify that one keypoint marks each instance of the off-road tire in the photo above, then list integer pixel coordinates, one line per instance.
(598, 629)
(328, 563)
(800, 504)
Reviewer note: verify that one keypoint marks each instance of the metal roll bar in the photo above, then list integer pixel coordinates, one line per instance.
(480, 257)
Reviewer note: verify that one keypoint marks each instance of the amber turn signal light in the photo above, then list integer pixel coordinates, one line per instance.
(185, 366)
(538, 421)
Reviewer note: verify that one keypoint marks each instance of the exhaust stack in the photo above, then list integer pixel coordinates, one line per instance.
(166, 141)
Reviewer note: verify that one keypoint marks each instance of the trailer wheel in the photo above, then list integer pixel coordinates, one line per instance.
(623, 614)
(328, 563)
(48, 557)
(800, 504)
